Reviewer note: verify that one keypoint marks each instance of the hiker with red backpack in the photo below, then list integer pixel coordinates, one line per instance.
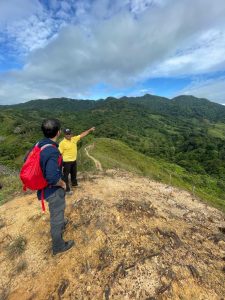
(42, 171)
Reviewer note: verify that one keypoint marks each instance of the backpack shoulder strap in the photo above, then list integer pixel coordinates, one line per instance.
(47, 145)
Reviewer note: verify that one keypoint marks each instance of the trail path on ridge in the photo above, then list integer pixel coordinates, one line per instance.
(97, 162)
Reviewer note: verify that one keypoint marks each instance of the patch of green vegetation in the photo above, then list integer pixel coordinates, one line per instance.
(11, 185)
(217, 130)
(115, 154)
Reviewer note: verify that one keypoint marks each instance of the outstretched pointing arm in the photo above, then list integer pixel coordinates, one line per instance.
(83, 134)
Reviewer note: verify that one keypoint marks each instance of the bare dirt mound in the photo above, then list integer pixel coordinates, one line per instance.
(135, 239)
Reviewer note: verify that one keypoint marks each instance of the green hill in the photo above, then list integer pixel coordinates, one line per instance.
(54, 104)
(185, 106)
(115, 154)
(185, 132)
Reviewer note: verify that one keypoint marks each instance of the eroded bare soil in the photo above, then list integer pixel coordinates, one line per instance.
(135, 239)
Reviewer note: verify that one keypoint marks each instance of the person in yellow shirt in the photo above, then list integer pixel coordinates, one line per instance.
(68, 149)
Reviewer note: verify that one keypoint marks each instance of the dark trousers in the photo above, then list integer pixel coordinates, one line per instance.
(56, 204)
(70, 167)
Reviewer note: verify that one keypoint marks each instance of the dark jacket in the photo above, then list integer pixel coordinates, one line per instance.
(52, 170)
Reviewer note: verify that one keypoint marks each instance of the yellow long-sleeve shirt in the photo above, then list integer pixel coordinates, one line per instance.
(68, 148)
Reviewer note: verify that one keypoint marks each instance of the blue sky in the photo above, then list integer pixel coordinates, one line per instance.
(98, 48)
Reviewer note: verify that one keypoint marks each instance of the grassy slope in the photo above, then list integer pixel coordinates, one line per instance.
(11, 185)
(217, 130)
(115, 154)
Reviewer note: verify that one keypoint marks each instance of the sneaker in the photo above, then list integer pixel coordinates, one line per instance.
(68, 245)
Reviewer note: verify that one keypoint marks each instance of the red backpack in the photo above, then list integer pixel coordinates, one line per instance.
(31, 173)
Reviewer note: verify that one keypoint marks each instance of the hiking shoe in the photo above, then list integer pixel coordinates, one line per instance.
(69, 193)
(74, 184)
(68, 245)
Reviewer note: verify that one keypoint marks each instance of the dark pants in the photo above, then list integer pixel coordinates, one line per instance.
(56, 204)
(70, 167)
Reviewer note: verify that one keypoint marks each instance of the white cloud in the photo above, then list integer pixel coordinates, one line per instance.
(31, 34)
(11, 10)
(205, 55)
(28, 25)
(212, 89)
(110, 45)
(139, 6)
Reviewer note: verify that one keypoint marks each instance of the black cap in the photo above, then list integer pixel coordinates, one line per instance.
(67, 131)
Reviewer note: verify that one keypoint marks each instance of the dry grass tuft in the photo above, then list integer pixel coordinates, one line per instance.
(17, 247)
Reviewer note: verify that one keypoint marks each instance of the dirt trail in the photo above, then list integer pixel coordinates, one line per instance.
(135, 239)
(97, 163)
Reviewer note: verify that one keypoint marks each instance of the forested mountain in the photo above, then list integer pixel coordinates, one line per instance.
(186, 131)
(54, 104)
(185, 106)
